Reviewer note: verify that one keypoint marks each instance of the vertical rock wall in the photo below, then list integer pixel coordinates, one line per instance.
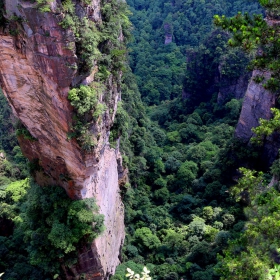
(257, 103)
(235, 88)
(37, 68)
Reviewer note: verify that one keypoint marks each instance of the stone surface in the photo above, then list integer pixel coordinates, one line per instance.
(36, 71)
(234, 88)
(168, 33)
(256, 105)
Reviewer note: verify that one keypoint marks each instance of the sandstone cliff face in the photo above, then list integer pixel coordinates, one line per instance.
(256, 105)
(37, 68)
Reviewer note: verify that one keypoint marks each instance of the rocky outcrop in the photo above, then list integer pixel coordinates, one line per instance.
(168, 33)
(256, 105)
(232, 88)
(233, 77)
(37, 67)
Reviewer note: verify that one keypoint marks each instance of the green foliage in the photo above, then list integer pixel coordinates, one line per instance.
(250, 184)
(178, 211)
(271, 6)
(120, 125)
(267, 127)
(202, 65)
(253, 255)
(13, 165)
(172, 212)
(145, 238)
(83, 99)
(68, 6)
(253, 33)
(23, 131)
(160, 67)
(98, 45)
(234, 107)
(7, 140)
(44, 5)
(48, 224)
(179, 189)
(187, 173)
(17, 190)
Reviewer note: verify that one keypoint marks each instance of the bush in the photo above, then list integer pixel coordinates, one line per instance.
(146, 239)
(53, 225)
(83, 99)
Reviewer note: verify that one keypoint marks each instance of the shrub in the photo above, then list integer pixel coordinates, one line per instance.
(83, 99)
(53, 225)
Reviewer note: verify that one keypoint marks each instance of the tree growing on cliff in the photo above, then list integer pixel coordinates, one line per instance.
(254, 254)
(260, 37)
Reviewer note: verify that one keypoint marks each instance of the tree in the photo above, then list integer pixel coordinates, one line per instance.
(254, 34)
(187, 173)
(146, 239)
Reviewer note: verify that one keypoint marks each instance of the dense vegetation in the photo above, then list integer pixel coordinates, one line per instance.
(254, 254)
(48, 228)
(40, 227)
(179, 212)
(181, 207)
(171, 212)
(160, 67)
(98, 45)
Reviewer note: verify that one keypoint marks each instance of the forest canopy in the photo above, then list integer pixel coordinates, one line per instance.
(190, 212)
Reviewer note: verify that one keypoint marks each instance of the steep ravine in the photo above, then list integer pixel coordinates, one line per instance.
(36, 75)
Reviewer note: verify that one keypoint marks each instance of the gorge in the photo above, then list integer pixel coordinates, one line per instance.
(103, 181)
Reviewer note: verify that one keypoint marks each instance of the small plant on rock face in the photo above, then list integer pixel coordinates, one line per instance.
(266, 127)
(68, 6)
(83, 99)
(87, 2)
(44, 5)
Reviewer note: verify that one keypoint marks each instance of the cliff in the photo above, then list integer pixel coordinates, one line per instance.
(39, 63)
(213, 68)
(257, 104)
(232, 88)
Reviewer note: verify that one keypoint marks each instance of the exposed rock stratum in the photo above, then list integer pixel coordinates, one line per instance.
(36, 74)
(257, 103)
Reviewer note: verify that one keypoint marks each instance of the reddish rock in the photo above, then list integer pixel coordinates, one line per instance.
(36, 71)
